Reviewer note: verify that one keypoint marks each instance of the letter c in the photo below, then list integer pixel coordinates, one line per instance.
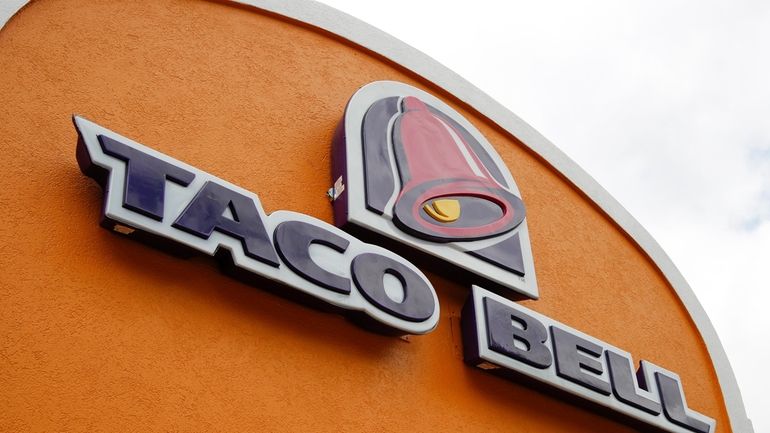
(293, 240)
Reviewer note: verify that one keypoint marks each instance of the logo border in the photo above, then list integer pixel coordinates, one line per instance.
(350, 206)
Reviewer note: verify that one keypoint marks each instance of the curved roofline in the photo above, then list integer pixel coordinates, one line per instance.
(358, 32)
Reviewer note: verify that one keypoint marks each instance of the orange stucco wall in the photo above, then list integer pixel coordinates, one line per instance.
(101, 333)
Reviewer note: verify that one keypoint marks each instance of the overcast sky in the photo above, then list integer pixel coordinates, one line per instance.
(665, 104)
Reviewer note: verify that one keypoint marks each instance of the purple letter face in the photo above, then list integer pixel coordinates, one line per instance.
(410, 168)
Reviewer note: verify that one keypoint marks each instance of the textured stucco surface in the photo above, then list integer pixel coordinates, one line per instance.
(101, 333)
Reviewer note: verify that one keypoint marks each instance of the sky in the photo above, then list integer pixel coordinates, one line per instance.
(665, 104)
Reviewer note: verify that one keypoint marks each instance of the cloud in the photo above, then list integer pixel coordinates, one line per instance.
(666, 104)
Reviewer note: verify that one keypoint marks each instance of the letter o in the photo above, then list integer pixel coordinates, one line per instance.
(368, 271)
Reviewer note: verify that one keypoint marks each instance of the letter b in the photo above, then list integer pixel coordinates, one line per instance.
(503, 335)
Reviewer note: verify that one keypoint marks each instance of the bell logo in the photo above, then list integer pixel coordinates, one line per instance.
(408, 168)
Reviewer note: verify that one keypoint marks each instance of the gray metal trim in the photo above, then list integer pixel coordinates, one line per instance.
(373, 39)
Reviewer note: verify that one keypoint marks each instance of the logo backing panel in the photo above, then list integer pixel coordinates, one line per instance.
(410, 168)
